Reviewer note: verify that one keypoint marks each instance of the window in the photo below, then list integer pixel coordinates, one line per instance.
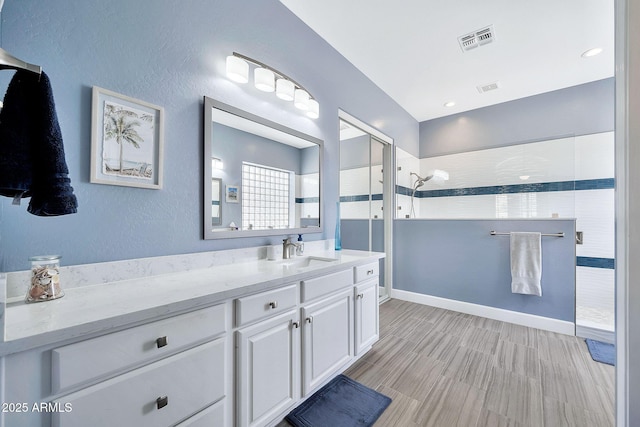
(266, 197)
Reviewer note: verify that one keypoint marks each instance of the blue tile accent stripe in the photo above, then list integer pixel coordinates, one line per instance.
(543, 187)
(307, 199)
(583, 261)
(360, 198)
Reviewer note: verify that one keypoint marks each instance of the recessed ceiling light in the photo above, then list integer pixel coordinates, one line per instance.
(591, 52)
(524, 177)
(449, 104)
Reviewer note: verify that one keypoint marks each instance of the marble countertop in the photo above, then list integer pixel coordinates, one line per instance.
(91, 310)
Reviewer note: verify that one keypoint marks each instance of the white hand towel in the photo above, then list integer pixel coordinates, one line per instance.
(526, 263)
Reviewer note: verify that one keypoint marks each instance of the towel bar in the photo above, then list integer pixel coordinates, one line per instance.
(495, 233)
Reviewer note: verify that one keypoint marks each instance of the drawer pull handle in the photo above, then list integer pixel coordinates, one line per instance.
(296, 325)
(161, 402)
(369, 272)
(161, 342)
(310, 319)
(273, 304)
(360, 296)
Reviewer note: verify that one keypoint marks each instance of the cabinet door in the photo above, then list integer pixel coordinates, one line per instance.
(366, 298)
(328, 338)
(268, 368)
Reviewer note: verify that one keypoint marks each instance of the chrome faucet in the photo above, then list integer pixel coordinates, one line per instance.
(287, 246)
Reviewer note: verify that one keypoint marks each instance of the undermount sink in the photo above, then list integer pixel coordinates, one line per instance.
(307, 261)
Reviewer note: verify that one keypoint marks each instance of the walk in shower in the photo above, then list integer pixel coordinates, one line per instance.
(563, 178)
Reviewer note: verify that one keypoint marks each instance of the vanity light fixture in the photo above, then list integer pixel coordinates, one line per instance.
(314, 109)
(285, 89)
(237, 69)
(301, 99)
(216, 163)
(264, 79)
(269, 79)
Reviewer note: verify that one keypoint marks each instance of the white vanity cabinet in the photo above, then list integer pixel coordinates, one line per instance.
(268, 368)
(286, 357)
(267, 354)
(327, 326)
(157, 374)
(244, 356)
(366, 315)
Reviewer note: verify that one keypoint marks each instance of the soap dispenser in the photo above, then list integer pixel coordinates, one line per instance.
(300, 246)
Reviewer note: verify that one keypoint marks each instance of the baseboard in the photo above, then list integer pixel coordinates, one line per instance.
(596, 334)
(524, 319)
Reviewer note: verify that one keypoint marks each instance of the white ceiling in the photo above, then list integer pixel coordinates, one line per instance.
(409, 48)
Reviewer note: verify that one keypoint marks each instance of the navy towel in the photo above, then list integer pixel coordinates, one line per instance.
(32, 162)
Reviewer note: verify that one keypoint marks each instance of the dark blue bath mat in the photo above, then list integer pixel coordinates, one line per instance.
(602, 352)
(343, 402)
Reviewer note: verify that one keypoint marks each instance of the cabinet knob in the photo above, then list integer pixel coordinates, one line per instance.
(369, 272)
(161, 402)
(295, 325)
(360, 295)
(161, 342)
(309, 319)
(273, 304)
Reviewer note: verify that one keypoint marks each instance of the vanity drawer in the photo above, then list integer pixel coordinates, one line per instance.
(367, 271)
(264, 304)
(210, 417)
(317, 287)
(95, 358)
(189, 381)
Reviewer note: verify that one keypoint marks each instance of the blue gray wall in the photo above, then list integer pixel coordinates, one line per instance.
(171, 54)
(460, 260)
(577, 110)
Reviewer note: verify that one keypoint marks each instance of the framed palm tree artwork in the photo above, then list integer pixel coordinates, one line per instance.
(126, 141)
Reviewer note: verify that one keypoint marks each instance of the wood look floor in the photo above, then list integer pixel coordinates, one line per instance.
(445, 369)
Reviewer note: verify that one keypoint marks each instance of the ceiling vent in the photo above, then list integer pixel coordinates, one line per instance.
(477, 38)
(488, 87)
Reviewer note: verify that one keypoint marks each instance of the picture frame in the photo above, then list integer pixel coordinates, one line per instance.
(127, 141)
(232, 193)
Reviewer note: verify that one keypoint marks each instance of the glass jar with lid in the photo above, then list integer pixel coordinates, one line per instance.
(45, 279)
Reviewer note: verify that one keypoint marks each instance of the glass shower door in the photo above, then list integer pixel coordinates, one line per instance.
(362, 179)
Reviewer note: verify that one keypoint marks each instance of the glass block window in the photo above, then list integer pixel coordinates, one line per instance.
(266, 197)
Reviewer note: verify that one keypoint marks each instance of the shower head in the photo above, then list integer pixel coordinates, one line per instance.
(436, 173)
(420, 180)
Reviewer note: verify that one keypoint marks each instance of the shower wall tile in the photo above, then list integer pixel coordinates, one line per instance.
(405, 164)
(546, 161)
(403, 206)
(516, 205)
(354, 210)
(595, 156)
(595, 214)
(354, 182)
(595, 297)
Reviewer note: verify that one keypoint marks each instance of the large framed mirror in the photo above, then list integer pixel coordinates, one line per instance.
(260, 178)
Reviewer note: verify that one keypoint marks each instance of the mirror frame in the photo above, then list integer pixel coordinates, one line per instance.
(209, 104)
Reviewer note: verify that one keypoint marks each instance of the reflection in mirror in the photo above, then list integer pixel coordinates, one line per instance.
(216, 191)
(270, 175)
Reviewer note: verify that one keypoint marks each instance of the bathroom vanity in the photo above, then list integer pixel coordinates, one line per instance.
(239, 344)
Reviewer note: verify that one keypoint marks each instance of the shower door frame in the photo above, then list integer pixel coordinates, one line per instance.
(388, 185)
